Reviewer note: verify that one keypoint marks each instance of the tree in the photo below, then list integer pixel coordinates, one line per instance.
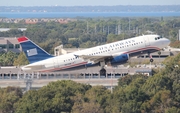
(81, 106)
(7, 59)
(56, 97)
(21, 60)
(159, 102)
(94, 101)
(8, 97)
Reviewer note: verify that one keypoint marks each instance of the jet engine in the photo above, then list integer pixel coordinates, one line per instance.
(120, 58)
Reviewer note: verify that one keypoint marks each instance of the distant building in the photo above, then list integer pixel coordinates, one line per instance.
(37, 20)
(10, 44)
(31, 21)
(59, 50)
(7, 29)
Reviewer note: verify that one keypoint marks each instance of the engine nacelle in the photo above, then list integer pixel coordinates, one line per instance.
(120, 58)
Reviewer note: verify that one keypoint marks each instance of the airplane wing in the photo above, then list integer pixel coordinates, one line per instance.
(95, 59)
(98, 58)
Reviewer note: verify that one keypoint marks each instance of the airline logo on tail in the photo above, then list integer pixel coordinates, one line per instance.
(32, 52)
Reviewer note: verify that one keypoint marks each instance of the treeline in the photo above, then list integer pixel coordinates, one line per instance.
(93, 31)
(134, 94)
(88, 32)
(10, 58)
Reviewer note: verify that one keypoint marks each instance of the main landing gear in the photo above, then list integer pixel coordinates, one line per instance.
(150, 56)
(102, 71)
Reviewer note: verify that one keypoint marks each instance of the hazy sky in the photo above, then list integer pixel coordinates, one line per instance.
(86, 2)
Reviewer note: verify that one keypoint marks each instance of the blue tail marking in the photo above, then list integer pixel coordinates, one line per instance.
(33, 52)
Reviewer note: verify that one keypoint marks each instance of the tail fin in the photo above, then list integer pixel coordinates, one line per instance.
(33, 52)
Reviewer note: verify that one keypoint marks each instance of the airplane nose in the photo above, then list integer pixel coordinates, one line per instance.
(167, 41)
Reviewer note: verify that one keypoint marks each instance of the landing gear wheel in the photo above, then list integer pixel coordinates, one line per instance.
(151, 60)
(102, 72)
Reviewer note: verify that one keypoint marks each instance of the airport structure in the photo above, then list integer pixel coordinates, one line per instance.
(14, 76)
(7, 29)
(10, 44)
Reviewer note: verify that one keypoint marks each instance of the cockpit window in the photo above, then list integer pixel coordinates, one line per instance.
(159, 37)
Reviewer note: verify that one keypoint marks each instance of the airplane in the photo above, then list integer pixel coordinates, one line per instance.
(114, 53)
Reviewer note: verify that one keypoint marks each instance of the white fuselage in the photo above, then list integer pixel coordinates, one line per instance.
(128, 46)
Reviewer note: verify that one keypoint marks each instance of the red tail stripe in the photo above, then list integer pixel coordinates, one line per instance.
(22, 39)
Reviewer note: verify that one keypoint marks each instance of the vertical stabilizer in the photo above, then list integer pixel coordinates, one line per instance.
(33, 52)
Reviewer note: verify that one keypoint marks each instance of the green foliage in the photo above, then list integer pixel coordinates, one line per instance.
(21, 60)
(56, 97)
(125, 81)
(172, 110)
(175, 44)
(156, 83)
(93, 31)
(129, 96)
(159, 102)
(94, 101)
(8, 97)
(7, 59)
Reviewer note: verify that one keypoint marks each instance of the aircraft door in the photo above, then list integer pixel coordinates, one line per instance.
(146, 41)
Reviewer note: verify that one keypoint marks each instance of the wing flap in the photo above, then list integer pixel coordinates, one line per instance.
(95, 58)
(98, 58)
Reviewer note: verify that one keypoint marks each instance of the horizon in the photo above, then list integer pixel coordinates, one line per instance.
(86, 3)
(89, 5)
